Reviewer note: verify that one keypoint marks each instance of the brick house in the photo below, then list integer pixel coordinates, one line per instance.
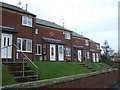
(17, 28)
(94, 51)
(81, 48)
(55, 41)
(40, 40)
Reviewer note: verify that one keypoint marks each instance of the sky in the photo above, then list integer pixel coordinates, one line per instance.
(95, 19)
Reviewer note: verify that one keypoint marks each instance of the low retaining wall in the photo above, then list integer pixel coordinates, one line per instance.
(88, 80)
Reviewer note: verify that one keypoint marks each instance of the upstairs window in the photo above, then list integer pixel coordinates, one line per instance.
(27, 21)
(68, 51)
(98, 47)
(86, 42)
(67, 35)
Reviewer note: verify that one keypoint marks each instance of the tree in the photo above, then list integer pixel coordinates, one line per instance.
(108, 52)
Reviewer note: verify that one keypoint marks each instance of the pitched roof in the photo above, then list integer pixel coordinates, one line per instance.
(55, 41)
(50, 24)
(15, 8)
(78, 35)
(91, 41)
(7, 29)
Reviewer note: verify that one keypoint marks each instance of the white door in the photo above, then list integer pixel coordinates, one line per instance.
(97, 57)
(79, 55)
(61, 52)
(52, 52)
(93, 55)
(6, 46)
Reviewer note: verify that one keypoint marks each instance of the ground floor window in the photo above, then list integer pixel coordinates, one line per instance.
(44, 48)
(68, 51)
(24, 44)
(38, 49)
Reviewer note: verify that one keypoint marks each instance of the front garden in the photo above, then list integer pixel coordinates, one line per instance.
(48, 70)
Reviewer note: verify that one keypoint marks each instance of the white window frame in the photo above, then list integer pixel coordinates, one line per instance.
(68, 51)
(28, 21)
(38, 49)
(98, 47)
(67, 35)
(88, 55)
(28, 42)
(86, 42)
(44, 48)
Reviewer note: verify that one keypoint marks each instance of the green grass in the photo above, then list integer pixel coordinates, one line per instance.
(48, 70)
(7, 78)
(96, 66)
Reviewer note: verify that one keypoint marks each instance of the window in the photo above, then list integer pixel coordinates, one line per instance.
(88, 55)
(36, 31)
(97, 46)
(68, 51)
(44, 48)
(38, 49)
(27, 21)
(24, 44)
(67, 35)
(86, 42)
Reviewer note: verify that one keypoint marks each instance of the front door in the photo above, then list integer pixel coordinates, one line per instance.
(61, 52)
(52, 52)
(93, 55)
(79, 55)
(6, 45)
(84, 55)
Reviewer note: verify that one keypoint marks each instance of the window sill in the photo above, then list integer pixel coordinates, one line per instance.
(26, 25)
(25, 51)
(38, 54)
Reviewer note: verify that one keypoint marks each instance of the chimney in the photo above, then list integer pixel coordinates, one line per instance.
(26, 6)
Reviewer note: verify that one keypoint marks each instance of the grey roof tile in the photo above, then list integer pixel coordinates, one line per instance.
(15, 8)
(55, 41)
(50, 24)
(78, 35)
(91, 41)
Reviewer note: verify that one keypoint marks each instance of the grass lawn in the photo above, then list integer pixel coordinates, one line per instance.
(48, 70)
(96, 66)
(7, 78)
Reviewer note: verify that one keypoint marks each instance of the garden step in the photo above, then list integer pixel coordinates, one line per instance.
(26, 78)
(16, 69)
(7, 60)
(85, 66)
(19, 68)
(14, 63)
(20, 73)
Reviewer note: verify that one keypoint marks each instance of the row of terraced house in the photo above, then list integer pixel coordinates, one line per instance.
(41, 40)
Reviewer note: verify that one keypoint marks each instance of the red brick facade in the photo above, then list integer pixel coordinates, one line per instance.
(98, 81)
(13, 18)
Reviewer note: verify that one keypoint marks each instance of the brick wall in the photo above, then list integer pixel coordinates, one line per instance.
(95, 81)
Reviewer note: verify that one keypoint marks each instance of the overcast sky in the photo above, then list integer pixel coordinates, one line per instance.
(95, 19)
